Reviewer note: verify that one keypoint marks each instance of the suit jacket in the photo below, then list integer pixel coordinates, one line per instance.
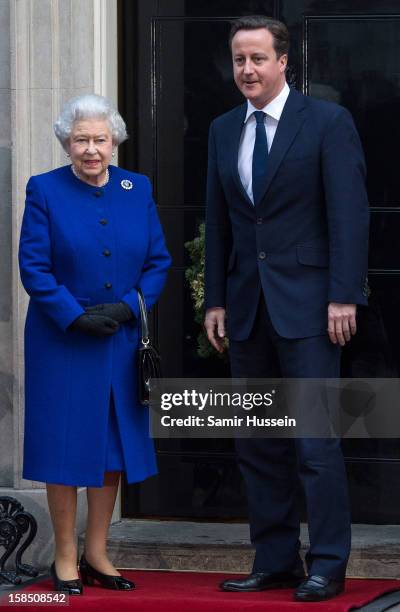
(82, 245)
(306, 243)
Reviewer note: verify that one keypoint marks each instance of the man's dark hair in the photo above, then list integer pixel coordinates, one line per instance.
(278, 30)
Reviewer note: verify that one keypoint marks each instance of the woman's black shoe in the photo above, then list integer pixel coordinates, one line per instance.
(72, 587)
(89, 575)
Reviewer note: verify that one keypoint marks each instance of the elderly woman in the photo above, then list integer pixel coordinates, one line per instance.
(90, 238)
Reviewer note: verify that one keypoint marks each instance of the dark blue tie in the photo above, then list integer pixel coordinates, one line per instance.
(260, 157)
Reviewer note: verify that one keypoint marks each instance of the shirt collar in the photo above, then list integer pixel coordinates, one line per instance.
(274, 108)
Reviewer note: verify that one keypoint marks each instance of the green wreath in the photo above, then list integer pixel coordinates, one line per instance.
(195, 277)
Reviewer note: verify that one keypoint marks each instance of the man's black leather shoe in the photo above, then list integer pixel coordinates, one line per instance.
(261, 581)
(318, 588)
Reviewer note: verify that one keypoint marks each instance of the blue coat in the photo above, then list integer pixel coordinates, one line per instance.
(306, 242)
(81, 245)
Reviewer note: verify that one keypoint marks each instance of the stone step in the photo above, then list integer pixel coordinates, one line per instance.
(224, 547)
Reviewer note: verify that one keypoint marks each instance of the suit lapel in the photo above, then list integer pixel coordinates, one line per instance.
(291, 120)
(236, 133)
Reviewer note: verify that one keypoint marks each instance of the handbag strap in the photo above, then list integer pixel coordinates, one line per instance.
(143, 318)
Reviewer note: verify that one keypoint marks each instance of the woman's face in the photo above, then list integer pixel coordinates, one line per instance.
(90, 147)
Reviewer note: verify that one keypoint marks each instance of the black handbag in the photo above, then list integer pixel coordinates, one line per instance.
(149, 361)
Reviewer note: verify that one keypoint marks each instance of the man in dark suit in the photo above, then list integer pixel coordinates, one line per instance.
(286, 265)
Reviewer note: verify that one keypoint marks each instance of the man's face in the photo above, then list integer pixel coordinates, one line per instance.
(257, 71)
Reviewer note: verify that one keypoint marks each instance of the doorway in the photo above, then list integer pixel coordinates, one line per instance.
(175, 77)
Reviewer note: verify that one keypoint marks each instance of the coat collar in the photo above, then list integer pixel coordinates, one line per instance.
(291, 120)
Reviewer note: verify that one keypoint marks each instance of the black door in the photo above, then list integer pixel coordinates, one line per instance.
(175, 77)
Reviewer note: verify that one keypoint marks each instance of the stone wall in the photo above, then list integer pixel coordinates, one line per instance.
(6, 318)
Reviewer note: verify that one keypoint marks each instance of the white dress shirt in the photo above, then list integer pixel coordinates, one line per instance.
(273, 112)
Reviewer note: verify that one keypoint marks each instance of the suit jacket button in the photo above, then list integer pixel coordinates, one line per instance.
(106, 253)
(259, 221)
(262, 255)
(107, 285)
(103, 221)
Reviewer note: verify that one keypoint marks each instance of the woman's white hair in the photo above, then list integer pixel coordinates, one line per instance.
(89, 106)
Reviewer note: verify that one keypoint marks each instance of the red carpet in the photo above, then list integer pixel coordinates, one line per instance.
(192, 592)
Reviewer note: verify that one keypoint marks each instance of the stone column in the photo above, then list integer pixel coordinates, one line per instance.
(50, 50)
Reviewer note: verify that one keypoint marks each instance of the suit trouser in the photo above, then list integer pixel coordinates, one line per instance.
(274, 468)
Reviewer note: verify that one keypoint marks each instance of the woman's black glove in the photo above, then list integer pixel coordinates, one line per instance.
(119, 312)
(95, 325)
